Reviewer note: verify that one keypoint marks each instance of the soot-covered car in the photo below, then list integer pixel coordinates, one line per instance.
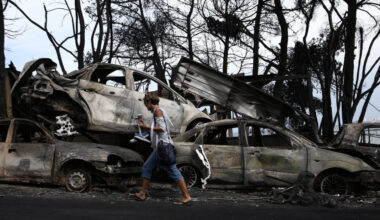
(29, 153)
(253, 152)
(99, 98)
(361, 140)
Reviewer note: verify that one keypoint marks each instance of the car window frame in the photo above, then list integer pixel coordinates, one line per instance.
(293, 142)
(125, 71)
(51, 140)
(241, 139)
(176, 96)
(359, 135)
(7, 138)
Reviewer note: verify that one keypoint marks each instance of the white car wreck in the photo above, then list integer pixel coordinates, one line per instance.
(99, 98)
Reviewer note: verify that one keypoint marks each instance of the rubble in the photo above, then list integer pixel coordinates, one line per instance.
(301, 193)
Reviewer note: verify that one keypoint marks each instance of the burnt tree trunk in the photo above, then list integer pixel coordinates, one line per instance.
(2, 65)
(188, 30)
(81, 32)
(283, 47)
(256, 36)
(349, 56)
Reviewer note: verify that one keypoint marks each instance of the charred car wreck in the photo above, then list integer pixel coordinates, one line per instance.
(99, 104)
(360, 140)
(208, 85)
(100, 98)
(258, 153)
(29, 153)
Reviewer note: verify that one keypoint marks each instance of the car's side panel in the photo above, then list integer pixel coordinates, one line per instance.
(225, 162)
(274, 166)
(111, 108)
(29, 161)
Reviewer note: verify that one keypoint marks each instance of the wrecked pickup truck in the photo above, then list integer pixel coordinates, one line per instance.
(99, 98)
(242, 153)
(29, 153)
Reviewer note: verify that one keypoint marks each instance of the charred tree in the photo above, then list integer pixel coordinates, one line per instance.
(2, 64)
(349, 57)
(283, 56)
(256, 37)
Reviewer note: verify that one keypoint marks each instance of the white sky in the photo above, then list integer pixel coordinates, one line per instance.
(33, 43)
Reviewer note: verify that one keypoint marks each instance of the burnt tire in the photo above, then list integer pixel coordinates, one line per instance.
(333, 183)
(78, 180)
(189, 174)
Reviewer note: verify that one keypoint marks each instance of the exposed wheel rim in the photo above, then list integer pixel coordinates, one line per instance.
(334, 184)
(77, 181)
(189, 174)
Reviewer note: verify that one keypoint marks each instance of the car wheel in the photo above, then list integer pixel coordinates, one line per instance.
(190, 175)
(77, 180)
(334, 184)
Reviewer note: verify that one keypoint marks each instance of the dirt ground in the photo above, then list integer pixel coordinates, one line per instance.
(166, 192)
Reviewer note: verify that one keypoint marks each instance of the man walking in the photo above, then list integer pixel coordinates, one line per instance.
(159, 131)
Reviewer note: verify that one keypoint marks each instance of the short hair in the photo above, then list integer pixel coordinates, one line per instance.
(151, 97)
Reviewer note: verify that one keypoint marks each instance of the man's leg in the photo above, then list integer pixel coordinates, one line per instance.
(147, 170)
(142, 193)
(185, 193)
(174, 173)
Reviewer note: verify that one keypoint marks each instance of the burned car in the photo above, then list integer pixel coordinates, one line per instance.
(29, 153)
(360, 140)
(101, 98)
(259, 153)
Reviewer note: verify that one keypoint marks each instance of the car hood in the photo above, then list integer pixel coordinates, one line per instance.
(350, 163)
(42, 66)
(94, 152)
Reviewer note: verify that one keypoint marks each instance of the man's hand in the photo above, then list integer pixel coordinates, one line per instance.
(142, 124)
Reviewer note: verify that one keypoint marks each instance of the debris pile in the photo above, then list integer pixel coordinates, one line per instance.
(302, 194)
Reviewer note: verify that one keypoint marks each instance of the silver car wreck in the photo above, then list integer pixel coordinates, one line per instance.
(252, 152)
(101, 97)
(29, 153)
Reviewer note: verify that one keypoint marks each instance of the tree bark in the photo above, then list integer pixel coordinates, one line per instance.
(82, 33)
(349, 56)
(2, 64)
(283, 46)
(256, 36)
(188, 30)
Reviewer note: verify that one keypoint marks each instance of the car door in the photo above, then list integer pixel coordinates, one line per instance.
(4, 141)
(272, 157)
(144, 83)
(30, 154)
(222, 147)
(109, 100)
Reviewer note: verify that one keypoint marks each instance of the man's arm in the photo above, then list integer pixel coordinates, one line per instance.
(158, 113)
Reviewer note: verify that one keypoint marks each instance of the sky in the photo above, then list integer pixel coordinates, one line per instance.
(33, 43)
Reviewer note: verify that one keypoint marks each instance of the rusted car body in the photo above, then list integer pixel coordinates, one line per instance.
(253, 152)
(101, 97)
(29, 153)
(361, 140)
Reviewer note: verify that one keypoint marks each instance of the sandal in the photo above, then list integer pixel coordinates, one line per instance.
(137, 198)
(181, 203)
